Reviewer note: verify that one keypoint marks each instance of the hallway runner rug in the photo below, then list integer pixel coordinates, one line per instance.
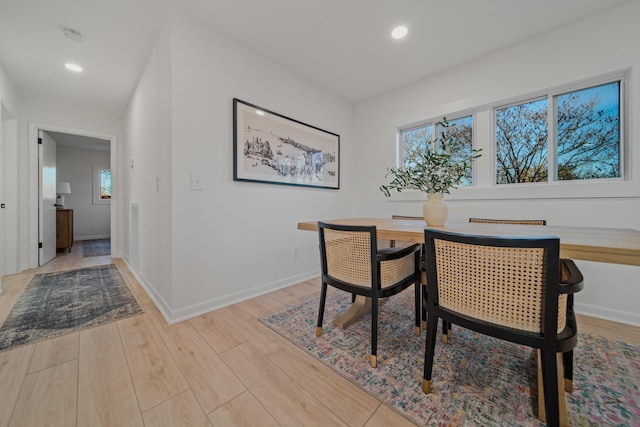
(96, 247)
(55, 304)
(477, 380)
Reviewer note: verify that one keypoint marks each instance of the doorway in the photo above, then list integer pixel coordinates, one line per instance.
(88, 149)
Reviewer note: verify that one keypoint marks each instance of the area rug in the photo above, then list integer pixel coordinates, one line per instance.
(54, 304)
(96, 247)
(477, 380)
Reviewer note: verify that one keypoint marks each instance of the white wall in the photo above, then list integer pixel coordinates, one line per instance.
(603, 44)
(233, 240)
(76, 166)
(147, 131)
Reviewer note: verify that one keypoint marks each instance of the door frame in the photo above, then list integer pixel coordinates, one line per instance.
(116, 195)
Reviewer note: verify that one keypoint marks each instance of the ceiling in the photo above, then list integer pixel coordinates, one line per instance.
(80, 141)
(341, 45)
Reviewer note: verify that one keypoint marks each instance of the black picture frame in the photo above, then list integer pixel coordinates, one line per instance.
(271, 148)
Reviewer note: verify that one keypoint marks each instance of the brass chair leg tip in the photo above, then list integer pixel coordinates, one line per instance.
(319, 331)
(426, 386)
(418, 330)
(445, 338)
(424, 324)
(568, 385)
(374, 361)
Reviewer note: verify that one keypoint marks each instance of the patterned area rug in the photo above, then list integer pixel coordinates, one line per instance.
(54, 304)
(477, 380)
(97, 247)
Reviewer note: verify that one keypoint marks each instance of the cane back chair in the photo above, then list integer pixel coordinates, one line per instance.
(505, 287)
(352, 262)
(568, 273)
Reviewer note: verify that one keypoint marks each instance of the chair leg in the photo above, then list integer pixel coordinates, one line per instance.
(550, 386)
(323, 297)
(374, 331)
(423, 300)
(418, 306)
(567, 358)
(445, 331)
(430, 345)
(567, 362)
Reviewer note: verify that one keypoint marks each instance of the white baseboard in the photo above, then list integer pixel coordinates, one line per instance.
(626, 317)
(101, 236)
(216, 303)
(157, 299)
(174, 316)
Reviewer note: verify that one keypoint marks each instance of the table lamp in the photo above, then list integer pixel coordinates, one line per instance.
(62, 188)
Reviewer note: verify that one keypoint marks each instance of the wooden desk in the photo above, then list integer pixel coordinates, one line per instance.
(611, 245)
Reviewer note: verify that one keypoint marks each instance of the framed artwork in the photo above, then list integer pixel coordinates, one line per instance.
(271, 148)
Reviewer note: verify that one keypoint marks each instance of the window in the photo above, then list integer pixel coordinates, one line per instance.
(421, 138)
(101, 185)
(521, 143)
(581, 142)
(462, 131)
(415, 139)
(588, 133)
(105, 184)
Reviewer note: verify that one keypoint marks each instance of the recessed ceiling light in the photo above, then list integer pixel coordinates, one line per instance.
(73, 67)
(399, 32)
(260, 112)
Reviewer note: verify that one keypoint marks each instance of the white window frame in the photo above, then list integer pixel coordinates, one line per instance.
(551, 97)
(484, 168)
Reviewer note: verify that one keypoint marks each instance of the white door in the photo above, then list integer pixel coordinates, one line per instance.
(47, 199)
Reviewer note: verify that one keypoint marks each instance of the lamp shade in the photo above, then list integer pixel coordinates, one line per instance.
(63, 188)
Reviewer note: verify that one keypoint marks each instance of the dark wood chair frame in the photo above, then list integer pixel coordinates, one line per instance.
(375, 291)
(422, 280)
(549, 342)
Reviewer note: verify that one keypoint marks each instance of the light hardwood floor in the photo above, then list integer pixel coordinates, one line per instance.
(223, 368)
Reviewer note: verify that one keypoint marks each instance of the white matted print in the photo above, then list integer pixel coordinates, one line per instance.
(271, 148)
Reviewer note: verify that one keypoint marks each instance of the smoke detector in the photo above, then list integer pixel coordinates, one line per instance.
(72, 34)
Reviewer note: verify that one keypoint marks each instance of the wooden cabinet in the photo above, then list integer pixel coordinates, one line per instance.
(64, 229)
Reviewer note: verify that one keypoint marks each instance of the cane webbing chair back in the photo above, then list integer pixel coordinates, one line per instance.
(349, 256)
(509, 221)
(506, 287)
(351, 261)
(502, 285)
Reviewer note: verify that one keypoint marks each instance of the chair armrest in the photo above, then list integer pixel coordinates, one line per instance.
(388, 254)
(571, 278)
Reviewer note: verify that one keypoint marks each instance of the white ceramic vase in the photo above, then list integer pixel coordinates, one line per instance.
(435, 210)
